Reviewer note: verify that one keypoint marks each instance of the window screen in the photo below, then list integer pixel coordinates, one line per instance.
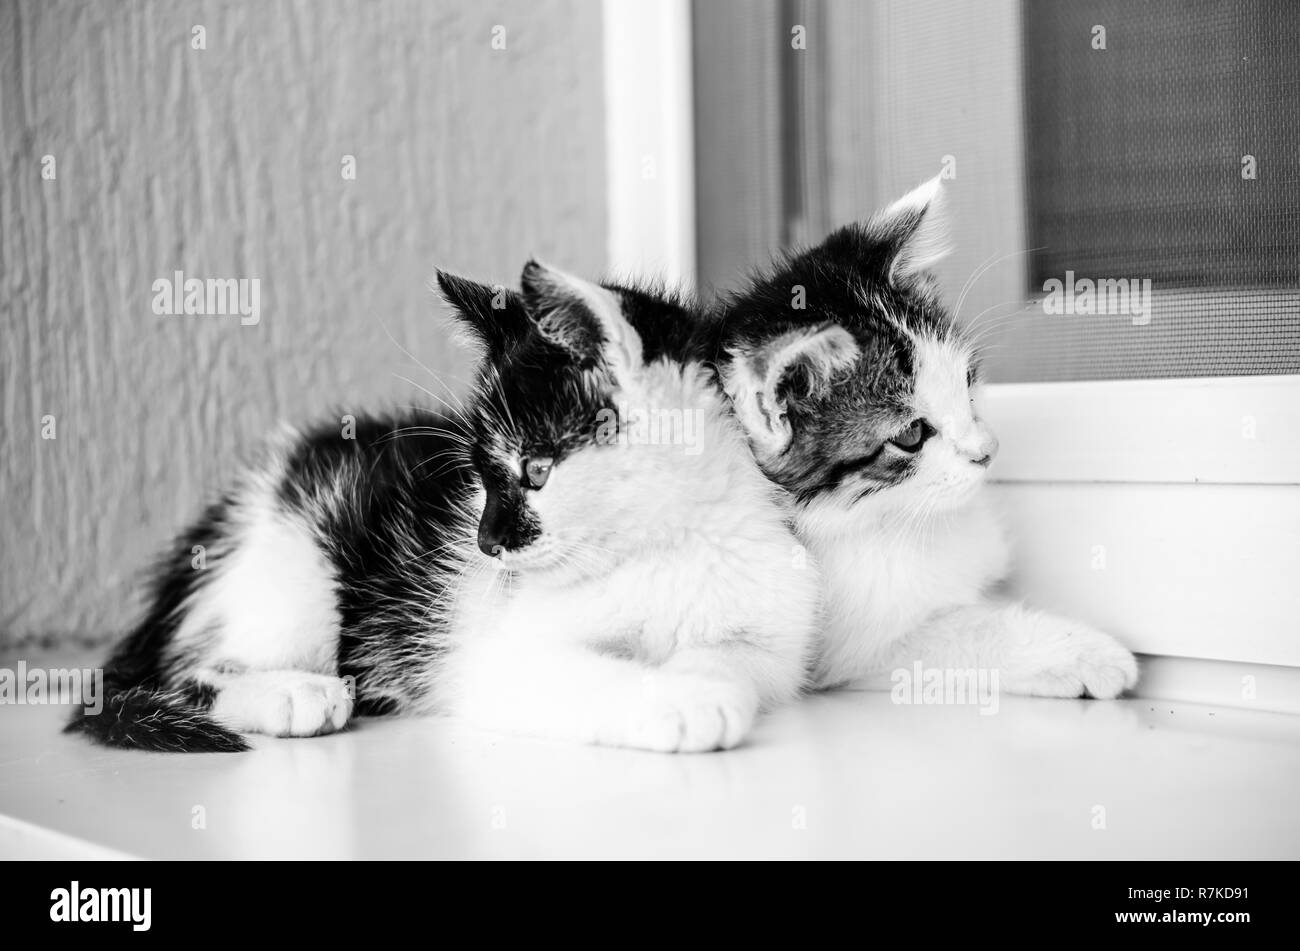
(1162, 144)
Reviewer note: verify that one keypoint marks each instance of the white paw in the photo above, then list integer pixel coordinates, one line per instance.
(284, 703)
(1065, 658)
(687, 714)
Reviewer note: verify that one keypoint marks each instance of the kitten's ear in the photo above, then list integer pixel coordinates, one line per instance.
(496, 315)
(769, 380)
(583, 318)
(915, 229)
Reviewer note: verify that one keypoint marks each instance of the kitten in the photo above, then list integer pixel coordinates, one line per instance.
(861, 405)
(540, 563)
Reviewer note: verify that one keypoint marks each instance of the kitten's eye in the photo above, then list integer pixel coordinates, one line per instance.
(536, 471)
(914, 436)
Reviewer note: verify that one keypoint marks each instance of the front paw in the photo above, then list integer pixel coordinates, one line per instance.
(1065, 658)
(284, 703)
(687, 714)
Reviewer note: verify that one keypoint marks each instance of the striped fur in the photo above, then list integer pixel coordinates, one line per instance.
(886, 454)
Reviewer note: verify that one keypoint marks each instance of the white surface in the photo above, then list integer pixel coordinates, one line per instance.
(649, 139)
(862, 776)
(1189, 570)
(27, 842)
(1193, 680)
(1223, 429)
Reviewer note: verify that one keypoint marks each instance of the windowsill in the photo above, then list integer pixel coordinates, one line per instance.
(847, 774)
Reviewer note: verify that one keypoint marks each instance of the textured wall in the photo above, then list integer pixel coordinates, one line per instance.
(226, 162)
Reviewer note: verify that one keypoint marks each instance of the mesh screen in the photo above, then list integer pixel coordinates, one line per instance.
(1172, 155)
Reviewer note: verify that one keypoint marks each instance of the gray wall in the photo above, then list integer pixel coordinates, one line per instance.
(225, 162)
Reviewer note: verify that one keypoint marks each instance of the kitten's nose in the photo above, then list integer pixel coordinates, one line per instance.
(986, 451)
(494, 526)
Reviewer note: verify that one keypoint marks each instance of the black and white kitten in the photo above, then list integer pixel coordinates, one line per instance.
(544, 562)
(861, 404)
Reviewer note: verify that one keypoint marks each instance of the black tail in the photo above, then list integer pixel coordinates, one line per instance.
(147, 704)
(145, 717)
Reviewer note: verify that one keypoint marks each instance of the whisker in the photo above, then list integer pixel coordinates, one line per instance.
(981, 271)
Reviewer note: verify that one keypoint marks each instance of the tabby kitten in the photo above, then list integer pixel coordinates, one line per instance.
(862, 406)
(540, 563)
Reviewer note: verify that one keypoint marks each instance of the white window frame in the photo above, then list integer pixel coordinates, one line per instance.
(1167, 511)
(649, 135)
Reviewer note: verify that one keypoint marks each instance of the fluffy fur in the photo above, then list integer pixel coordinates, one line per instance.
(521, 564)
(862, 404)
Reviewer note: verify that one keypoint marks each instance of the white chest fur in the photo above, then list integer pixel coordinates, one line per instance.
(686, 553)
(885, 575)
